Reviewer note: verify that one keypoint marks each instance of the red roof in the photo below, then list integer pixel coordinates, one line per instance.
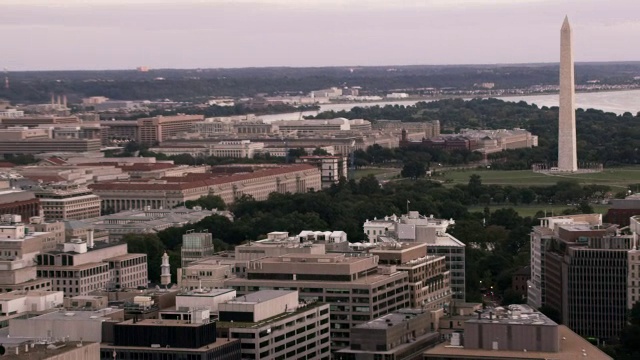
(56, 160)
(6, 164)
(186, 184)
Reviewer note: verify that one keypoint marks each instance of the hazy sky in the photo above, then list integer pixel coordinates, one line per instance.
(121, 34)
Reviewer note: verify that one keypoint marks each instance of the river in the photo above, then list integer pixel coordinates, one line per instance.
(611, 101)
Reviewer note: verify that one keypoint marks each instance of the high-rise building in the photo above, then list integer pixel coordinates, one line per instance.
(567, 153)
(588, 275)
(416, 228)
(540, 237)
(356, 287)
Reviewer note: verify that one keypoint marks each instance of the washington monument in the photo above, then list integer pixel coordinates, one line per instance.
(567, 154)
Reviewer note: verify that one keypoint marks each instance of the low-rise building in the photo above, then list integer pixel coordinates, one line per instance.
(19, 202)
(17, 302)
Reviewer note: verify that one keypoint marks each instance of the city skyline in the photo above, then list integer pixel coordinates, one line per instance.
(99, 34)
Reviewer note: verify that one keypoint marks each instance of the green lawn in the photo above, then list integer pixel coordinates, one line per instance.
(616, 178)
(379, 173)
(531, 210)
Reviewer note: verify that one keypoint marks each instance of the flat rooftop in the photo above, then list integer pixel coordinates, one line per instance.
(41, 352)
(266, 322)
(211, 293)
(397, 246)
(395, 318)
(260, 296)
(516, 314)
(209, 347)
(571, 345)
(97, 315)
(161, 323)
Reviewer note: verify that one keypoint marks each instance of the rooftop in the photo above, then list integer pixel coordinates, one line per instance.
(42, 351)
(265, 322)
(260, 296)
(571, 347)
(210, 293)
(515, 314)
(77, 315)
(161, 323)
(393, 319)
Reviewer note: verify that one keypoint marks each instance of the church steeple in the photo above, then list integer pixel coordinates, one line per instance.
(165, 270)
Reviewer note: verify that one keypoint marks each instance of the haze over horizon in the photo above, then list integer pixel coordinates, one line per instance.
(123, 34)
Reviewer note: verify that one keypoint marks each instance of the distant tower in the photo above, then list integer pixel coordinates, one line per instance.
(6, 78)
(165, 270)
(567, 153)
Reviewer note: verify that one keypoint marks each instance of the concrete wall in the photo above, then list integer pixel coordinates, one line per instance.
(515, 337)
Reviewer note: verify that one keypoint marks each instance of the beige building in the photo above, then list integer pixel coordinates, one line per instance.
(68, 203)
(82, 267)
(236, 149)
(316, 126)
(516, 332)
(168, 193)
(356, 288)
(19, 248)
(275, 324)
(157, 129)
(332, 168)
(401, 335)
(429, 282)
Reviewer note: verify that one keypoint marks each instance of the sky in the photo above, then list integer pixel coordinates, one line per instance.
(124, 34)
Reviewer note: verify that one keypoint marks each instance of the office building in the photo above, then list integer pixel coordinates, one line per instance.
(118, 196)
(275, 324)
(401, 335)
(356, 288)
(517, 332)
(18, 302)
(157, 129)
(61, 350)
(77, 325)
(622, 210)
(416, 228)
(168, 339)
(63, 202)
(19, 248)
(196, 246)
(589, 262)
(81, 267)
(319, 126)
(332, 168)
(35, 121)
(429, 280)
(541, 237)
(425, 129)
(19, 202)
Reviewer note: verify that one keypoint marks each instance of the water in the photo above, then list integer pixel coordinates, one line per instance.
(613, 101)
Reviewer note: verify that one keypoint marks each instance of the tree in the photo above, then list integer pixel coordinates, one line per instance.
(320, 152)
(208, 202)
(413, 170)
(148, 244)
(368, 185)
(296, 153)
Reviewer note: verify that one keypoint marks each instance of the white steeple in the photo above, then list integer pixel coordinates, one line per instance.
(165, 270)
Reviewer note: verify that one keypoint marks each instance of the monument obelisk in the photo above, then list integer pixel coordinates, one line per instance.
(567, 154)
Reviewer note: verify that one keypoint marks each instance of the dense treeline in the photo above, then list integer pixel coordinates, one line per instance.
(604, 138)
(497, 240)
(180, 85)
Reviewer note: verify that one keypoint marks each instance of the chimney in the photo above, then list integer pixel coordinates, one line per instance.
(59, 100)
(52, 99)
(64, 100)
(90, 242)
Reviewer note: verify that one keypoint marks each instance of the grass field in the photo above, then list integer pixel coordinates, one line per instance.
(617, 178)
(531, 210)
(379, 173)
